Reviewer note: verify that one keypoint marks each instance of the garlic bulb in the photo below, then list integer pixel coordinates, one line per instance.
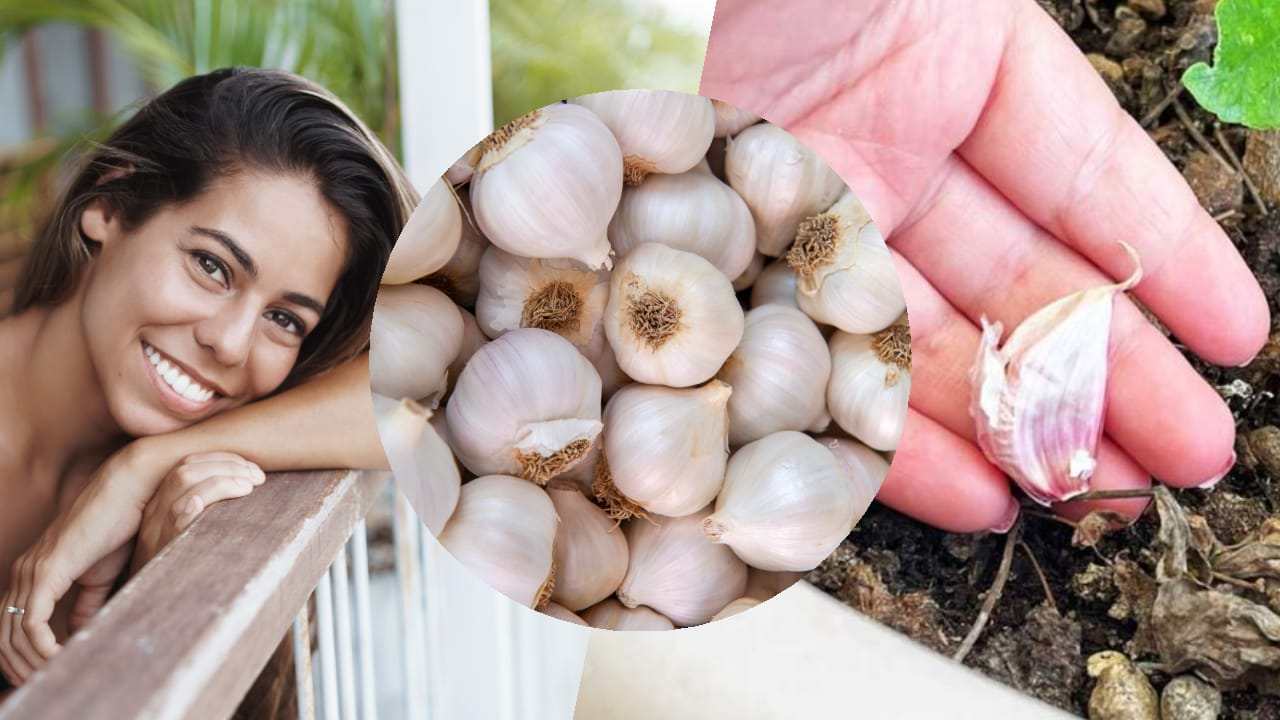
(556, 295)
(600, 353)
(419, 459)
(590, 552)
(779, 375)
(583, 473)
(785, 505)
(472, 340)
(459, 278)
(613, 615)
(562, 613)
(782, 181)
(776, 284)
(527, 404)
(1038, 402)
(672, 317)
(730, 120)
(844, 270)
(416, 334)
(658, 130)
(870, 384)
(864, 468)
(764, 584)
(740, 605)
(749, 276)
(692, 211)
(677, 571)
(547, 184)
(429, 237)
(666, 448)
(503, 530)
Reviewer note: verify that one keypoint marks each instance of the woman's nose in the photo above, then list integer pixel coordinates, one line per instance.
(229, 332)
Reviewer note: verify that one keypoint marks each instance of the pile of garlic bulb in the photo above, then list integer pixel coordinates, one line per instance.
(642, 360)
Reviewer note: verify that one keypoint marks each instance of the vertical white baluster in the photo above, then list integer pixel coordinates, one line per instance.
(409, 570)
(328, 664)
(346, 652)
(364, 623)
(302, 665)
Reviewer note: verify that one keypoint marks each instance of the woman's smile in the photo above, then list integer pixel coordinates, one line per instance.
(181, 390)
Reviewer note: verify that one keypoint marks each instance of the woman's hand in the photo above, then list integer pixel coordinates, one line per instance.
(195, 484)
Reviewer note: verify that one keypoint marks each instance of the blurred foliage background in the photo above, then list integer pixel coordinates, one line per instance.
(542, 51)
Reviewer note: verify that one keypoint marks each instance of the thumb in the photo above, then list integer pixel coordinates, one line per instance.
(88, 602)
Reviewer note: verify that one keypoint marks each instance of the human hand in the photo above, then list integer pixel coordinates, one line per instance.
(1002, 171)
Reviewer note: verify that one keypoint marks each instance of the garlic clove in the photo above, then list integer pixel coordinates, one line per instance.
(779, 375)
(865, 469)
(560, 612)
(764, 584)
(666, 448)
(844, 270)
(782, 181)
(871, 384)
(786, 503)
(527, 404)
(429, 238)
(590, 551)
(678, 571)
(749, 276)
(459, 277)
(659, 131)
(547, 184)
(672, 317)
(692, 211)
(736, 607)
(730, 120)
(613, 615)
(416, 334)
(776, 284)
(503, 530)
(472, 340)
(557, 295)
(1038, 401)
(420, 460)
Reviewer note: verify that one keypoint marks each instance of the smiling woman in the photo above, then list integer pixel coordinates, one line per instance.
(221, 249)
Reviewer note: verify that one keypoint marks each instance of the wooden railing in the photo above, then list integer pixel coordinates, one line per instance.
(187, 635)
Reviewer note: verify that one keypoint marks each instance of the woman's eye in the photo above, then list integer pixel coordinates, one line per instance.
(212, 267)
(286, 321)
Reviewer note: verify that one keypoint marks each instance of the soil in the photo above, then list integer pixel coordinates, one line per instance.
(930, 584)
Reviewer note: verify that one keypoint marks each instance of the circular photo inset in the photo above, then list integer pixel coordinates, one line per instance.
(637, 360)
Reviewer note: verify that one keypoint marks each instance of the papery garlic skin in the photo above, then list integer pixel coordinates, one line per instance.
(460, 172)
(590, 553)
(613, 615)
(870, 385)
(779, 374)
(459, 277)
(420, 460)
(730, 120)
(844, 270)
(560, 612)
(785, 505)
(677, 571)
(865, 469)
(547, 184)
(776, 284)
(658, 131)
(672, 317)
(782, 181)
(692, 211)
(503, 530)
(429, 238)
(1038, 402)
(736, 607)
(557, 295)
(749, 276)
(667, 448)
(527, 404)
(416, 334)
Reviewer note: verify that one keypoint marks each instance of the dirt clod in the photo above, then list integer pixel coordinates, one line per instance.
(1233, 517)
(1129, 32)
(1095, 583)
(1040, 656)
(1121, 692)
(1262, 162)
(1264, 444)
(1217, 187)
(1187, 697)
(1153, 9)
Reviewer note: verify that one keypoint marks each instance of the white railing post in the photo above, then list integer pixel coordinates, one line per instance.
(302, 665)
(364, 623)
(324, 628)
(346, 650)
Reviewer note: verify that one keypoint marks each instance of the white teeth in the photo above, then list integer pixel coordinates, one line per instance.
(175, 378)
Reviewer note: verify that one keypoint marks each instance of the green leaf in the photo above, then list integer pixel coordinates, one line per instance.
(1243, 86)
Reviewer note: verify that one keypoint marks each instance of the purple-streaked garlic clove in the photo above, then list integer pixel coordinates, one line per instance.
(1038, 401)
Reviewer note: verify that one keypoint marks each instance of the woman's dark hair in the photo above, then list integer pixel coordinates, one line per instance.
(217, 125)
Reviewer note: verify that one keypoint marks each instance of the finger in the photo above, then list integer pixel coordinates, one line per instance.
(985, 257)
(192, 474)
(1121, 473)
(215, 489)
(943, 345)
(14, 667)
(940, 479)
(88, 602)
(216, 456)
(20, 640)
(45, 586)
(1073, 161)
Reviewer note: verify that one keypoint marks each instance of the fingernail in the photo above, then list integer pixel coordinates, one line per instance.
(1216, 478)
(1009, 518)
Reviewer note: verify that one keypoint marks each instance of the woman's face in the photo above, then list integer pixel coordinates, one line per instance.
(205, 306)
